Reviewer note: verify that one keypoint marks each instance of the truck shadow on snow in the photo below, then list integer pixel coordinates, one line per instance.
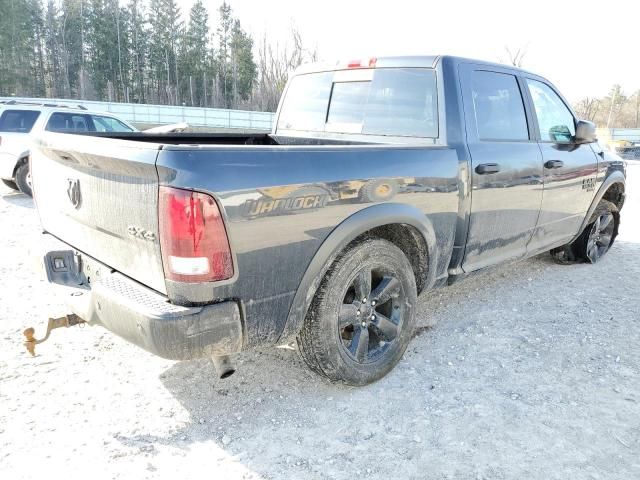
(18, 199)
(275, 415)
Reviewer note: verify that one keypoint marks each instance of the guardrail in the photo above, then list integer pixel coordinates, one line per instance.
(166, 114)
(613, 134)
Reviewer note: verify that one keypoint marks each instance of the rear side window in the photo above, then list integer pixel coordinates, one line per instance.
(498, 106)
(554, 118)
(394, 102)
(68, 122)
(109, 124)
(20, 121)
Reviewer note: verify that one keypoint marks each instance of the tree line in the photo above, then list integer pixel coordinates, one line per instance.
(141, 52)
(615, 110)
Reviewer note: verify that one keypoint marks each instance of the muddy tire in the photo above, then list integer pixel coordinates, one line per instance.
(595, 240)
(22, 179)
(11, 184)
(362, 316)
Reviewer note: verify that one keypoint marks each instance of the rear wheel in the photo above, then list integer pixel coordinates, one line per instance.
(362, 317)
(11, 184)
(595, 240)
(23, 179)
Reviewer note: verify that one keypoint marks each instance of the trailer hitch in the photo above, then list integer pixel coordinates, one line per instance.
(66, 321)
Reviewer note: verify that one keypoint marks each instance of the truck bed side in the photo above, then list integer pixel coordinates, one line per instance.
(281, 203)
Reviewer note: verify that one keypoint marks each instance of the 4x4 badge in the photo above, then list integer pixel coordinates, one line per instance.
(73, 191)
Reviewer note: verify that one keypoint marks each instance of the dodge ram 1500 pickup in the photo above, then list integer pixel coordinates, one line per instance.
(382, 179)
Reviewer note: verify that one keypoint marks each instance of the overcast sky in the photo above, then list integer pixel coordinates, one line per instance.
(584, 47)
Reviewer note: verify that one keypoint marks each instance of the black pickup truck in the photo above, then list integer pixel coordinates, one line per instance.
(382, 179)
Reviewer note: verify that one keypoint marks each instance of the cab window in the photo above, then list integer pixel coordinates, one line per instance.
(68, 122)
(109, 124)
(498, 106)
(555, 120)
(391, 102)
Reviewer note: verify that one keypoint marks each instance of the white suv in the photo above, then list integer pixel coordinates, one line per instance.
(19, 122)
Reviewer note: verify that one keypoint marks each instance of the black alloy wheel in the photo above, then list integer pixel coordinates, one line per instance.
(600, 236)
(371, 314)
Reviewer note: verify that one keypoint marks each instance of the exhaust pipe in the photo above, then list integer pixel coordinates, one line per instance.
(223, 366)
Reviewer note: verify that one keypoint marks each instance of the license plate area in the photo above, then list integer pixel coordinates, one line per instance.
(64, 268)
(72, 268)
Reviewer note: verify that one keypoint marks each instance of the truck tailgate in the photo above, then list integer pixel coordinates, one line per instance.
(100, 196)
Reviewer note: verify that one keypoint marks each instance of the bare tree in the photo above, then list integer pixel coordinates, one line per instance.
(588, 108)
(515, 57)
(275, 64)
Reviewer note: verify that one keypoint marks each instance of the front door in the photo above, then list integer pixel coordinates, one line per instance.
(569, 169)
(506, 177)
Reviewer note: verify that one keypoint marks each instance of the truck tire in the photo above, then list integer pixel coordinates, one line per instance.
(596, 238)
(362, 316)
(11, 184)
(23, 180)
(378, 191)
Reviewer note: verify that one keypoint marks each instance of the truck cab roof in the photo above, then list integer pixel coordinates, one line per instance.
(406, 61)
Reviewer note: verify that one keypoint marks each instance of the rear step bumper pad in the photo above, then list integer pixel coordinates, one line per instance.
(143, 316)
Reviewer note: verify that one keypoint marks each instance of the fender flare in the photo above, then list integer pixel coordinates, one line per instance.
(360, 222)
(615, 177)
(22, 158)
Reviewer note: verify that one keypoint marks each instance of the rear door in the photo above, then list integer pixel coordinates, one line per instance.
(506, 177)
(100, 196)
(569, 169)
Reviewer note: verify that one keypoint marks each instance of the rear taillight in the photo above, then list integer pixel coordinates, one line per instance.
(194, 242)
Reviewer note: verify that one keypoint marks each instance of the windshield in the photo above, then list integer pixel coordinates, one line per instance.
(393, 102)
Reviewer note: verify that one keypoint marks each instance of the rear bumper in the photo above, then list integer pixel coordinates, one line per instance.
(142, 316)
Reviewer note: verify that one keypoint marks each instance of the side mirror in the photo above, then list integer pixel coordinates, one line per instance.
(585, 132)
(560, 134)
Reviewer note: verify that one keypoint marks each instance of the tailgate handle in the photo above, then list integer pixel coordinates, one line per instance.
(487, 168)
(554, 164)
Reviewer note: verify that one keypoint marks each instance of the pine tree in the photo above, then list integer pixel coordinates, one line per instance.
(53, 48)
(71, 33)
(244, 67)
(236, 67)
(166, 30)
(194, 59)
(223, 59)
(19, 22)
(141, 52)
(138, 50)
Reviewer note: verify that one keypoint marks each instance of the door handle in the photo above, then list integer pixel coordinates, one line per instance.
(487, 168)
(554, 164)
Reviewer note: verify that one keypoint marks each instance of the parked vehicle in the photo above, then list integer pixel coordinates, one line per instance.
(208, 245)
(20, 122)
(627, 150)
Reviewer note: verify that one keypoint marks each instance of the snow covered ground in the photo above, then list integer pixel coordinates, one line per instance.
(531, 370)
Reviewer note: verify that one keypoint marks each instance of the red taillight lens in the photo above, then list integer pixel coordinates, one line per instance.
(194, 242)
(371, 63)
